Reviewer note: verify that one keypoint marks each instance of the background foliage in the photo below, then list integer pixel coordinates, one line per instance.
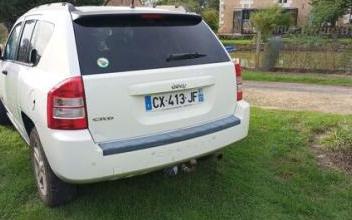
(209, 9)
(329, 11)
(10, 11)
(211, 16)
(266, 20)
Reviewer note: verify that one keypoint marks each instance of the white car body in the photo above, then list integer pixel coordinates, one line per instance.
(88, 155)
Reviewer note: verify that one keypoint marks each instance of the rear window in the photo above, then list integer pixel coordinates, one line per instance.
(118, 43)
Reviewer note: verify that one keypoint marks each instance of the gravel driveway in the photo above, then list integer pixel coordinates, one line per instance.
(296, 96)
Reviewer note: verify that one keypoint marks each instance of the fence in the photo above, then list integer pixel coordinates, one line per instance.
(330, 58)
(339, 31)
(344, 31)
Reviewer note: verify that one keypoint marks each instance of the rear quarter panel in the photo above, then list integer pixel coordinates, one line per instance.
(59, 61)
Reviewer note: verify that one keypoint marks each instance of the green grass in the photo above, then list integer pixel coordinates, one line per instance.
(237, 42)
(269, 175)
(345, 40)
(316, 40)
(310, 78)
(339, 138)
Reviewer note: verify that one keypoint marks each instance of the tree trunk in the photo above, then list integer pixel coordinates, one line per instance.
(257, 50)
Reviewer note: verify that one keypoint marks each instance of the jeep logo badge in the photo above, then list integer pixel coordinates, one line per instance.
(179, 86)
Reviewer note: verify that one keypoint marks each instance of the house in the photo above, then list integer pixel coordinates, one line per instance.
(234, 14)
(347, 19)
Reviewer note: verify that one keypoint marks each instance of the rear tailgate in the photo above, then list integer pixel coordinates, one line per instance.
(133, 89)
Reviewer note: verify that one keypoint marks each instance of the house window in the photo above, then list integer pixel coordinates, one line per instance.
(282, 1)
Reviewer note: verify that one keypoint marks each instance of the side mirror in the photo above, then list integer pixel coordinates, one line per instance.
(33, 57)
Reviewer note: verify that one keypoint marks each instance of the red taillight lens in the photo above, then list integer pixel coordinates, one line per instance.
(66, 108)
(238, 73)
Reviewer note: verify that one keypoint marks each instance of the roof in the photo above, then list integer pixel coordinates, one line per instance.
(101, 10)
(94, 10)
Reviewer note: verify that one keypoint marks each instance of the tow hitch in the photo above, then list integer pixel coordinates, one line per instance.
(191, 165)
(187, 167)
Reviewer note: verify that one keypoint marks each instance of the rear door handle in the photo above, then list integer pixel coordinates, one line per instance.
(4, 72)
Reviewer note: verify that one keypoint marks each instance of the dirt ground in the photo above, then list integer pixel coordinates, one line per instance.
(338, 160)
(296, 96)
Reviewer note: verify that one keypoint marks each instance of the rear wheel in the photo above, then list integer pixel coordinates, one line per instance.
(4, 120)
(52, 191)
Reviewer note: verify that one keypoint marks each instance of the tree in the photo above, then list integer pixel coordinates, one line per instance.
(209, 9)
(10, 11)
(211, 16)
(264, 22)
(329, 11)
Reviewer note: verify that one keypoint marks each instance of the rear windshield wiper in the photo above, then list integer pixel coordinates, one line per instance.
(184, 56)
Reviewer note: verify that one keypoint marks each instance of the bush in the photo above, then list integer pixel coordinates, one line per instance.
(266, 20)
(3, 34)
(211, 16)
(339, 139)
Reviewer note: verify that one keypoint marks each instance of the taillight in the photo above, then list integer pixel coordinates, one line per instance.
(66, 107)
(239, 80)
(151, 16)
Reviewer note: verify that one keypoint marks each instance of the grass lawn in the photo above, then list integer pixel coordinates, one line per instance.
(311, 78)
(237, 42)
(269, 175)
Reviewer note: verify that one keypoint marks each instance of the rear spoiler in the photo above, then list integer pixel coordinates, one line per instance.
(136, 19)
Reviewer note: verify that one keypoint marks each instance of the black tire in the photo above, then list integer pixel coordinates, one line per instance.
(52, 190)
(4, 120)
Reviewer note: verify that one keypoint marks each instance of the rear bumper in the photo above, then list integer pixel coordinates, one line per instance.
(74, 157)
(164, 139)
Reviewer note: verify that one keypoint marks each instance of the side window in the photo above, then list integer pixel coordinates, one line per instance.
(41, 36)
(12, 43)
(23, 52)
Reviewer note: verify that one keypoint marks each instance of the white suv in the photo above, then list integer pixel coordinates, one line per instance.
(101, 93)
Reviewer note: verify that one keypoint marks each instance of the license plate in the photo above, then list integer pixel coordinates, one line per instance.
(173, 100)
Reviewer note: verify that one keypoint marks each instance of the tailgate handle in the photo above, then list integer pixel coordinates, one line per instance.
(168, 86)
